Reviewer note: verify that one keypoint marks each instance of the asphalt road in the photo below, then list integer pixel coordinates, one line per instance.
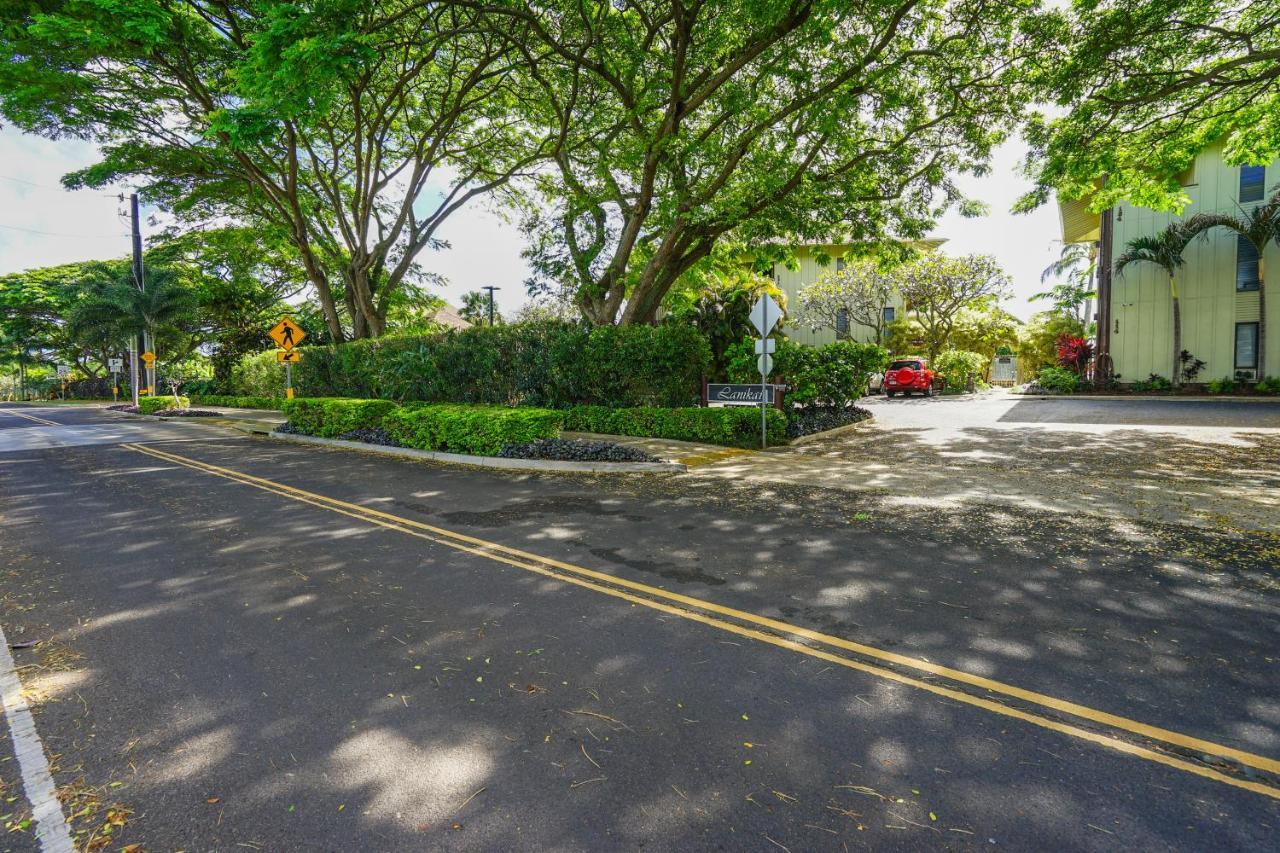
(237, 663)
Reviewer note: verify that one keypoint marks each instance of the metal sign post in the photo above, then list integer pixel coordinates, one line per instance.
(764, 316)
(114, 365)
(288, 357)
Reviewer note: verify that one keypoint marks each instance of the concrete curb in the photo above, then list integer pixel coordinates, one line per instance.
(490, 461)
(840, 430)
(1220, 398)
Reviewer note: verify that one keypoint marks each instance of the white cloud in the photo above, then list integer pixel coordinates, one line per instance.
(485, 249)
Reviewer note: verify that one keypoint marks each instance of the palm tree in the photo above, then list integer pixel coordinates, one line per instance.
(1077, 264)
(1259, 225)
(1165, 251)
(118, 310)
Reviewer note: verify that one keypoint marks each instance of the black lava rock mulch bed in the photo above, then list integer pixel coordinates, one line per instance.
(124, 407)
(289, 429)
(571, 450)
(822, 418)
(370, 436)
(188, 413)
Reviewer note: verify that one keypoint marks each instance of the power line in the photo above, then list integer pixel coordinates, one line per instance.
(59, 233)
(57, 188)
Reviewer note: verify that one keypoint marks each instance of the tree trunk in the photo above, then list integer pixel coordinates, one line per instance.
(1262, 317)
(1177, 334)
(320, 282)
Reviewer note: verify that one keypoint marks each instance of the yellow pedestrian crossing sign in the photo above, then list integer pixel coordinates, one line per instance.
(287, 334)
(149, 358)
(288, 355)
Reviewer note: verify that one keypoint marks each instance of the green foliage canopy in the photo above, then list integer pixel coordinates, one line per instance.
(1147, 85)
(679, 125)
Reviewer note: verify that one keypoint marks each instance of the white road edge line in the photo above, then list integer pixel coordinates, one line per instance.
(51, 824)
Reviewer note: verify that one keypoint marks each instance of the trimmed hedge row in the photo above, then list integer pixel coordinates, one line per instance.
(480, 430)
(232, 402)
(330, 417)
(734, 426)
(548, 364)
(833, 374)
(151, 405)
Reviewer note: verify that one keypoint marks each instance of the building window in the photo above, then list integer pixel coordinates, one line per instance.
(888, 313)
(1246, 264)
(1252, 179)
(1246, 346)
(842, 324)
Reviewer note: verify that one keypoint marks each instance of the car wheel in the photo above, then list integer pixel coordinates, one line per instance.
(889, 394)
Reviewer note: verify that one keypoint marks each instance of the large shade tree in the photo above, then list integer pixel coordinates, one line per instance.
(1163, 250)
(355, 128)
(1146, 85)
(680, 124)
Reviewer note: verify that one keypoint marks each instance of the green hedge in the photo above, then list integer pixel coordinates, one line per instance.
(957, 366)
(271, 403)
(830, 375)
(548, 364)
(151, 405)
(329, 417)
(733, 426)
(479, 430)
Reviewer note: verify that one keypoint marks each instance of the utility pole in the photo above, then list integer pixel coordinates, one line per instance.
(137, 345)
(491, 289)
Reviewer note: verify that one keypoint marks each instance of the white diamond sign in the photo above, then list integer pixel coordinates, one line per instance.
(765, 314)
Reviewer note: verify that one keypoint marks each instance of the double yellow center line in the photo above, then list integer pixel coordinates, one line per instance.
(1117, 733)
(16, 413)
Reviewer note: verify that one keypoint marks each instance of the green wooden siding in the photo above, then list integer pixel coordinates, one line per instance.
(1142, 313)
(808, 270)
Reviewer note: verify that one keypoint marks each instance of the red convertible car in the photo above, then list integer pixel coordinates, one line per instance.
(909, 375)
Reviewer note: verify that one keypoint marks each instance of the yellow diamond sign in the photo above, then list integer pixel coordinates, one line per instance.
(287, 334)
(149, 358)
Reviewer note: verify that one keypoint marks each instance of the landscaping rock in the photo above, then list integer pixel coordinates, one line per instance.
(188, 413)
(368, 436)
(822, 418)
(572, 450)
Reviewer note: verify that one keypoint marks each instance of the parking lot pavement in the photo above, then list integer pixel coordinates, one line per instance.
(1187, 462)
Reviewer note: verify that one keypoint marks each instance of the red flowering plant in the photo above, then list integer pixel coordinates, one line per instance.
(1074, 353)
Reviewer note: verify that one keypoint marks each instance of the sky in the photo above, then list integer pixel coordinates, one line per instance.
(43, 225)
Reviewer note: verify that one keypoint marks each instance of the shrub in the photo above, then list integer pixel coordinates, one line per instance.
(1073, 352)
(549, 364)
(958, 366)
(151, 405)
(1189, 366)
(202, 388)
(1154, 382)
(232, 402)
(1268, 385)
(480, 430)
(1225, 385)
(733, 426)
(92, 388)
(830, 375)
(258, 375)
(1058, 379)
(330, 417)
